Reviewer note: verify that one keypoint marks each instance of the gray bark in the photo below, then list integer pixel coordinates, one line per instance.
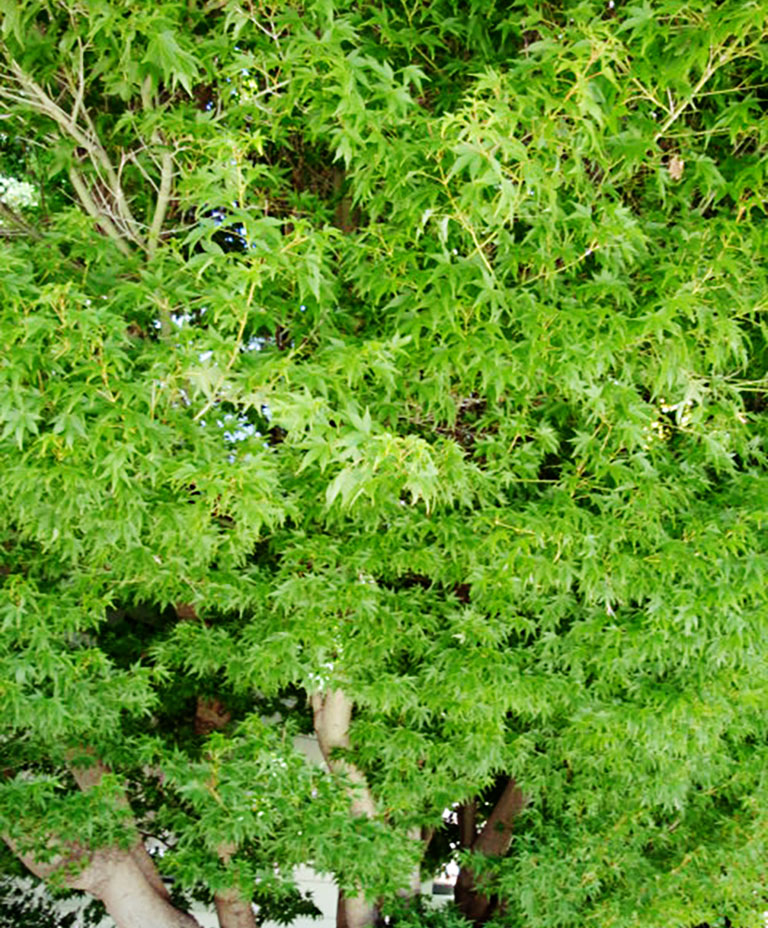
(352, 911)
(118, 881)
(89, 776)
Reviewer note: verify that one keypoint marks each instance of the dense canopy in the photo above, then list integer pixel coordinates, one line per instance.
(394, 372)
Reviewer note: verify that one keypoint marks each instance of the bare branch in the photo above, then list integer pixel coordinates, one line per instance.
(132, 157)
(21, 224)
(34, 95)
(106, 224)
(80, 93)
(163, 199)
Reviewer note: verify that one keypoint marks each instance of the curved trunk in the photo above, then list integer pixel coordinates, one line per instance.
(127, 896)
(126, 881)
(332, 711)
(113, 876)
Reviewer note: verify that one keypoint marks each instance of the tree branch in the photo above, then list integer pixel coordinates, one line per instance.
(332, 712)
(493, 841)
(21, 224)
(232, 908)
(114, 876)
(104, 221)
(89, 776)
(466, 816)
(495, 838)
(35, 95)
(163, 199)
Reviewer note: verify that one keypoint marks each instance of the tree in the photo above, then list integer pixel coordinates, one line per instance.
(396, 374)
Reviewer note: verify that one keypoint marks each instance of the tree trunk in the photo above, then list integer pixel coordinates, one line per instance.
(113, 876)
(332, 712)
(493, 841)
(232, 908)
(472, 904)
(416, 834)
(467, 821)
(126, 881)
(89, 776)
(354, 912)
(233, 911)
(131, 901)
(341, 910)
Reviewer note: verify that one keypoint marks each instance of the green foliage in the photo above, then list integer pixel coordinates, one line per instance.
(417, 350)
(417, 913)
(25, 906)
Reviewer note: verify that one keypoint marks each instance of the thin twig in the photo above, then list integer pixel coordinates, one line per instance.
(712, 66)
(80, 94)
(106, 224)
(21, 224)
(233, 356)
(89, 140)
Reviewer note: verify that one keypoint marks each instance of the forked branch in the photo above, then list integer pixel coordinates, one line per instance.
(104, 199)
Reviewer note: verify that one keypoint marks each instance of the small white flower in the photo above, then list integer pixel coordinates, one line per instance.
(17, 194)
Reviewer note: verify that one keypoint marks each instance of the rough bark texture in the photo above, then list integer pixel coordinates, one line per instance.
(493, 841)
(332, 712)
